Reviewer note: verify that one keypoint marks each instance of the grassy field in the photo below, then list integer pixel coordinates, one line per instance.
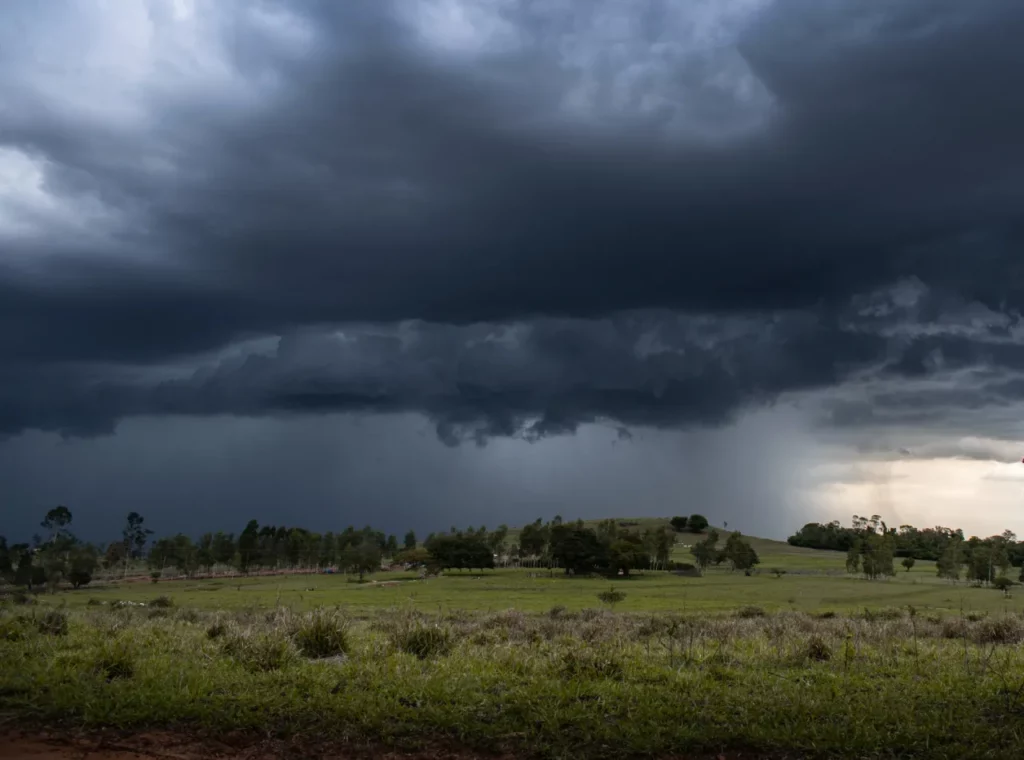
(497, 590)
(814, 663)
(814, 581)
(558, 685)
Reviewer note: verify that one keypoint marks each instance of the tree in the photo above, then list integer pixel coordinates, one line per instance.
(697, 523)
(417, 555)
(391, 547)
(56, 521)
(223, 548)
(410, 540)
(739, 552)
(533, 538)
(678, 523)
(908, 562)
(362, 558)
(706, 551)
(248, 546)
(6, 563)
(496, 540)
(1002, 583)
(949, 562)
(134, 538)
(626, 553)
(82, 564)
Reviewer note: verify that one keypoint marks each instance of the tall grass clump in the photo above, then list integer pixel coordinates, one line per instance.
(115, 660)
(421, 638)
(322, 633)
(259, 651)
(53, 623)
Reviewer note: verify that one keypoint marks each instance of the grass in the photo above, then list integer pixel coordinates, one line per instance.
(537, 591)
(574, 684)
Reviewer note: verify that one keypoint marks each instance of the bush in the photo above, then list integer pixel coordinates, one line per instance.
(216, 630)
(585, 663)
(611, 597)
(13, 629)
(1002, 630)
(162, 602)
(817, 649)
(20, 597)
(750, 611)
(93, 603)
(259, 652)
(322, 634)
(423, 639)
(53, 623)
(557, 611)
(1002, 583)
(115, 660)
(826, 615)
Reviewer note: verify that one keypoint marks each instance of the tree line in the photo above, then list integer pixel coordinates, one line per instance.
(872, 547)
(609, 547)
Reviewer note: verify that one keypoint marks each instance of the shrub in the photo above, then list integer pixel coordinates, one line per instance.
(322, 634)
(115, 660)
(13, 629)
(259, 652)
(826, 615)
(885, 613)
(158, 614)
(162, 602)
(20, 597)
(557, 611)
(953, 628)
(586, 663)
(154, 576)
(53, 623)
(93, 603)
(751, 611)
(611, 597)
(778, 572)
(1001, 630)
(423, 640)
(216, 630)
(817, 649)
(1002, 583)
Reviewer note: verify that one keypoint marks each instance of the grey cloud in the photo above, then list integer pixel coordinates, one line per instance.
(331, 166)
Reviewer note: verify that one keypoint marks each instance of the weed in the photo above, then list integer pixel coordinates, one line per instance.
(216, 630)
(115, 660)
(588, 663)
(259, 651)
(53, 623)
(751, 611)
(162, 602)
(423, 640)
(322, 633)
(816, 649)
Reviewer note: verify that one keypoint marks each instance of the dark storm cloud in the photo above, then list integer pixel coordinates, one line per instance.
(589, 162)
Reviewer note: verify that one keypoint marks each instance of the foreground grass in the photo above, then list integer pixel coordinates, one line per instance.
(560, 684)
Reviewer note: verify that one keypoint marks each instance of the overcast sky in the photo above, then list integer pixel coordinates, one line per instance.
(424, 262)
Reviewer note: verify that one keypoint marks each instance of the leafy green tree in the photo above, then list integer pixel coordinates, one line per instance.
(223, 548)
(678, 523)
(6, 563)
(949, 564)
(248, 546)
(391, 547)
(204, 552)
(627, 553)
(533, 539)
(410, 540)
(739, 552)
(134, 538)
(577, 549)
(908, 563)
(705, 552)
(57, 521)
(697, 523)
(496, 540)
(361, 558)
(82, 565)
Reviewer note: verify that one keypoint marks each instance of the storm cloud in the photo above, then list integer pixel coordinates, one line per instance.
(514, 218)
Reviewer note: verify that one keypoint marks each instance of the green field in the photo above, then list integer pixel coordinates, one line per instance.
(814, 581)
(807, 663)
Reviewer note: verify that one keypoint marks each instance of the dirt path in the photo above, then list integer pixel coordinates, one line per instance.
(167, 745)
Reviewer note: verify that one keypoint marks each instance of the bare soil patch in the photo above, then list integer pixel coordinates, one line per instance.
(170, 745)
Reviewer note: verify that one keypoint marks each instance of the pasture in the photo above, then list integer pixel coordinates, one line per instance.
(813, 581)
